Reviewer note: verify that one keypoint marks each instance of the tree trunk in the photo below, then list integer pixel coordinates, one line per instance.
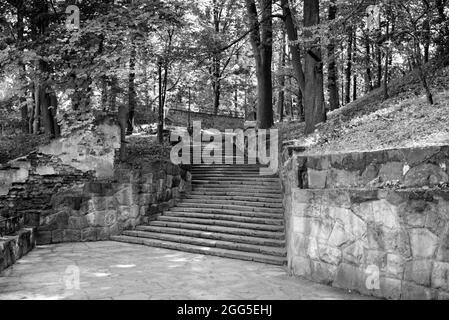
(348, 71)
(427, 40)
(261, 41)
(332, 80)
(354, 57)
(113, 83)
(22, 67)
(104, 93)
(379, 66)
(131, 88)
(387, 63)
(281, 93)
(315, 112)
(368, 76)
(216, 85)
(292, 34)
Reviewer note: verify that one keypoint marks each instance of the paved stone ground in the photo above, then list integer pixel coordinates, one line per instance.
(110, 270)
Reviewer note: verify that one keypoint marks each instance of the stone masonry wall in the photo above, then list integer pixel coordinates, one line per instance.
(101, 209)
(28, 184)
(208, 121)
(12, 248)
(376, 223)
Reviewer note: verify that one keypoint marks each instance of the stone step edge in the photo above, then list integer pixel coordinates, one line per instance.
(201, 215)
(218, 223)
(220, 198)
(223, 253)
(278, 235)
(233, 202)
(228, 207)
(216, 193)
(270, 250)
(235, 213)
(213, 235)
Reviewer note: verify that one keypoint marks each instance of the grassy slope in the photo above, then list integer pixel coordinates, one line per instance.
(370, 123)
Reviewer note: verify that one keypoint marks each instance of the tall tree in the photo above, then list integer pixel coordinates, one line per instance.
(315, 112)
(281, 76)
(348, 71)
(294, 46)
(332, 80)
(262, 44)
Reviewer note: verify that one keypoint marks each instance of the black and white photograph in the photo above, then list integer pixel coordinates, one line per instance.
(225, 156)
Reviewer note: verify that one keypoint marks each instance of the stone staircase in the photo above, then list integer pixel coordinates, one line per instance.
(232, 212)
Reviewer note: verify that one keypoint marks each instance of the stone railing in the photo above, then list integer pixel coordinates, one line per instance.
(372, 222)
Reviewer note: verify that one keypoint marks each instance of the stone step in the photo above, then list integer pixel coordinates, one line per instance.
(238, 189)
(251, 186)
(251, 203)
(214, 236)
(241, 167)
(237, 180)
(223, 223)
(211, 192)
(221, 229)
(253, 200)
(229, 207)
(229, 178)
(230, 170)
(236, 174)
(225, 253)
(269, 221)
(280, 252)
(228, 212)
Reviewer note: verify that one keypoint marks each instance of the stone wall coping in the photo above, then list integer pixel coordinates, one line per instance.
(302, 150)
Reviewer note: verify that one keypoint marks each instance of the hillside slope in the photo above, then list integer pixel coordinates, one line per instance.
(372, 123)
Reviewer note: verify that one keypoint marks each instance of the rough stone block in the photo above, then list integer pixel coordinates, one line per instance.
(343, 179)
(411, 291)
(385, 214)
(125, 196)
(339, 236)
(329, 255)
(57, 236)
(440, 276)
(394, 266)
(392, 171)
(389, 289)
(316, 179)
(101, 204)
(72, 235)
(322, 272)
(425, 175)
(45, 171)
(350, 277)
(89, 234)
(419, 272)
(43, 238)
(355, 253)
(300, 266)
(350, 222)
(423, 243)
(302, 196)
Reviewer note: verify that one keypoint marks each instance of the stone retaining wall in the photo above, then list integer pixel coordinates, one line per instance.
(27, 184)
(402, 168)
(12, 248)
(376, 223)
(102, 209)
